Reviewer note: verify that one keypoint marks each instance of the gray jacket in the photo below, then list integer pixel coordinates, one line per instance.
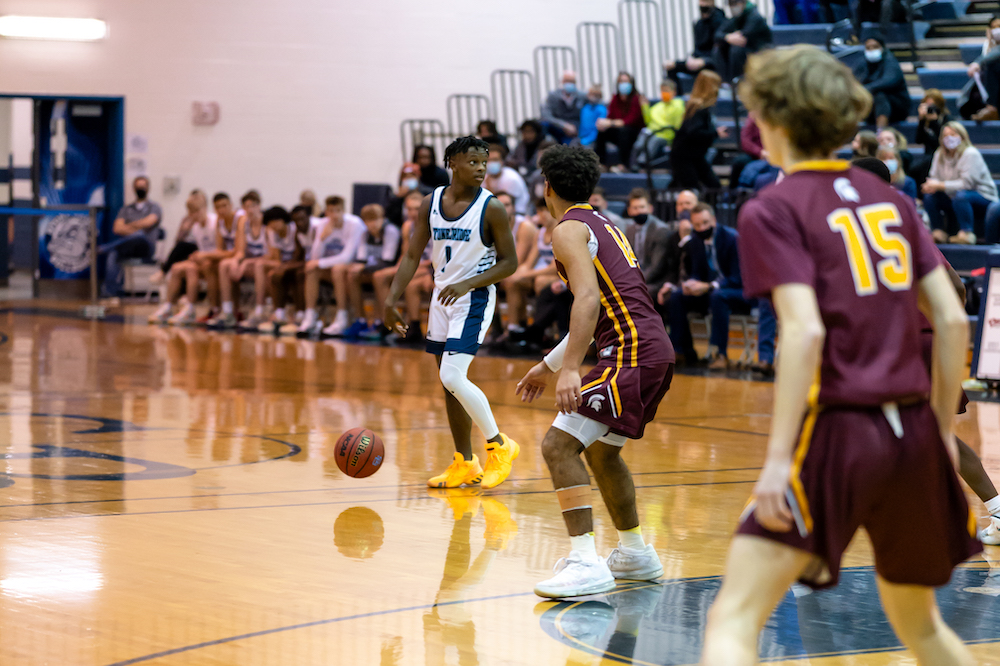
(653, 260)
(557, 110)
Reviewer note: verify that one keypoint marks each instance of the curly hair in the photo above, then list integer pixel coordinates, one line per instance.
(462, 145)
(276, 213)
(571, 171)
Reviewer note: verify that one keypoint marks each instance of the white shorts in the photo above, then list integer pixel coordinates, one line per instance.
(586, 430)
(460, 327)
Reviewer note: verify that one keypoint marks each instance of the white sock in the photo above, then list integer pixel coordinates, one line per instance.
(227, 307)
(585, 544)
(341, 317)
(187, 308)
(455, 377)
(632, 539)
(993, 505)
(259, 310)
(279, 314)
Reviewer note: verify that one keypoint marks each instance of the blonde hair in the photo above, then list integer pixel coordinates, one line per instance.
(372, 212)
(959, 129)
(705, 93)
(809, 93)
(901, 142)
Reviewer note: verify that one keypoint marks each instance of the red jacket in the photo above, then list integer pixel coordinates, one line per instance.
(629, 110)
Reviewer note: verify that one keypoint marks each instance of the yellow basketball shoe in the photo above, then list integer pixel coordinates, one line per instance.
(499, 460)
(461, 472)
(500, 527)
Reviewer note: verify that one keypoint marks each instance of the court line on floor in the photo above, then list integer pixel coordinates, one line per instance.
(319, 490)
(336, 503)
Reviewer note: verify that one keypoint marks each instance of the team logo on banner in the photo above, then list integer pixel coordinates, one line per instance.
(68, 243)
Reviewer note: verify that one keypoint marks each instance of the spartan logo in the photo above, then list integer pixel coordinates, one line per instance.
(68, 242)
(846, 191)
(596, 402)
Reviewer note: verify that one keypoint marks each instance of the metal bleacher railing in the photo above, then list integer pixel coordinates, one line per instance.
(642, 43)
(599, 47)
(465, 111)
(550, 63)
(514, 98)
(422, 131)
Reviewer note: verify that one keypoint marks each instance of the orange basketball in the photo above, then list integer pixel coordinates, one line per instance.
(359, 453)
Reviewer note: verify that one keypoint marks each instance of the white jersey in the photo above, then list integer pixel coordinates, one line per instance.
(285, 245)
(228, 235)
(457, 246)
(203, 235)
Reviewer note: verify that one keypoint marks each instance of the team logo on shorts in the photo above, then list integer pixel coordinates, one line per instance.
(596, 402)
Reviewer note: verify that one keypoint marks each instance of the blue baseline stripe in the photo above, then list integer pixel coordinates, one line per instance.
(469, 342)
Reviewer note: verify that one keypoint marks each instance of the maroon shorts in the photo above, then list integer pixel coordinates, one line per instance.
(625, 399)
(851, 471)
(927, 342)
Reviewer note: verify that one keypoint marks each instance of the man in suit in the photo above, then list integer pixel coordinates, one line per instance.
(714, 286)
(648, 235)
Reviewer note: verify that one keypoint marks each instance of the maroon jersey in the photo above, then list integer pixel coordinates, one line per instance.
(859, 244)
(629, 332)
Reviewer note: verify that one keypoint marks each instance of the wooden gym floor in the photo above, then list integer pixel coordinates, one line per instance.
(170, 497)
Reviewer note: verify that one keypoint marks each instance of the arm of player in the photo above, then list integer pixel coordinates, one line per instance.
(951, 335)
(499, 226)
(802, 336)
(408, 267)
(569, 243)
(241, 238)
(533, 384)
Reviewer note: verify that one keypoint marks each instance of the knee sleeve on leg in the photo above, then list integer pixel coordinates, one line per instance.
(454, 376)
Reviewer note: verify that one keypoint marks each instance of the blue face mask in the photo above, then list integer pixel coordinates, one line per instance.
(625, 88)
(892, 165)
(494, 168)
(569, 88)
(873, 56)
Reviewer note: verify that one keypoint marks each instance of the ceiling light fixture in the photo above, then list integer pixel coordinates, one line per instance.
(43, 27)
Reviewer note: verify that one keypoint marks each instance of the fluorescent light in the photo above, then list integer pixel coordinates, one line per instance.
(42, 27)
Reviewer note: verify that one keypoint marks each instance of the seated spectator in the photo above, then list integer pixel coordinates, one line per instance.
(864, 144)
(282, 249)
(753, 153)
(409, 181)
(487, 131)
(251, 249)
(379, 250)
(422, 283)
(688, 158)
(897, 172)
(431, 175)
(534, 274)
(649, 237)
(594, 110)
(932, 114)
(742, 35)
(524, 231)
(715, 287)
(663, 119)
(987, 65)
(624, 122)
(882, 76)
(600, 203)
(335, 244)
(186, 244)
(552, 307)
(960, 187)
(501, 178)
(890, 137)
(711, 18)
(678, 263)
(561, 110)
(137, 228)
(525, 155)
(536, 182)
(198, 231)
(290, 276)
(307, 198)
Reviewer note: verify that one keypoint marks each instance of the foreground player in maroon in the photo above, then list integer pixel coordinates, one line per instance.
(844, 257)
(612, 403)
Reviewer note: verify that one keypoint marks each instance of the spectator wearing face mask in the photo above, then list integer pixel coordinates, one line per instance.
(742, 35)
(600, 203)
(136, 226)
(897, 171)
(409, 181)
(649, 236)
(711, 18)
(561, 110)
(501, 178)
(890, 137)
(932, 115)
(987, 65)
(624, 122)
(678, 262)
(882, 76)
(666, 116)
(960, 188)
(525, 155)
(594, 110)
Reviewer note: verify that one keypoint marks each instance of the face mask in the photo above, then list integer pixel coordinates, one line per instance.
(141, 192)
(995, 32)
(411, 183)
(569, 88)
(892, 165)
(891, 143)
(705, 11)
(667, 97)
(625, 88)
(706, 234)
(951, 142)
(494, 168)
(640, 218)
(736, 10)
(873, 56)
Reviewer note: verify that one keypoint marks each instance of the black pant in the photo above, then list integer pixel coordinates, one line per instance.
(180, 253)
(991, 81)
(739, 163)
(730, 61)
(895, 109)
(680, 67)
(550, 308)
(692, 172)
(624, 137)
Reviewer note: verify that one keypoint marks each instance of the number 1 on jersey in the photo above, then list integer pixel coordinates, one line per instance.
(447, 257)
(895, 270)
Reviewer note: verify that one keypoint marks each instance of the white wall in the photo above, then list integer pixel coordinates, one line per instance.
(311, 91)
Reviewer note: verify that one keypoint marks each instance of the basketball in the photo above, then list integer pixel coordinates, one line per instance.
(359, 453)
